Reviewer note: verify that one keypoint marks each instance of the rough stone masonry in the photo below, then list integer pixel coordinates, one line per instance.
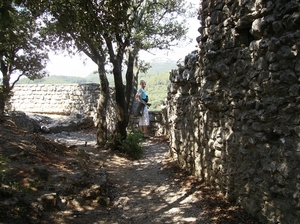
(74, 99)
(234, 106)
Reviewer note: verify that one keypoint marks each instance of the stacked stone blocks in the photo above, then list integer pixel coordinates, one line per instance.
(233, 113)
(73, 99)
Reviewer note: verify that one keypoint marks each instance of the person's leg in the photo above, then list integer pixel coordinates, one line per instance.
(146, 121)
(146, 131)
(141, 124)
(141, 128)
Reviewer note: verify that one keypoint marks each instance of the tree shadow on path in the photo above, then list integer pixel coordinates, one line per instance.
(154, 190)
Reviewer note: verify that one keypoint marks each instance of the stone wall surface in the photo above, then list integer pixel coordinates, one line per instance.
(73, 99)
(56, 99)
(157, 123)
(233, 107)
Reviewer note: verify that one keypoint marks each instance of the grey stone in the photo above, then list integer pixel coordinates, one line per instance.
(48, 200)
(24, 122)
(278, 27)
(258, 27)
(253, 75)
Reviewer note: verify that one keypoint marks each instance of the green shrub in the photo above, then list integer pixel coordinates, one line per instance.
(132, 144)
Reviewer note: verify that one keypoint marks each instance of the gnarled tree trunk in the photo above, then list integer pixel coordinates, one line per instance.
(102, 105)
(131, 82)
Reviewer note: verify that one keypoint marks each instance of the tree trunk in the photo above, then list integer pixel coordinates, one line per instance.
(124, 95)
(117, 59)
(2, 103)
(102, 105)
(120, 100)
(124, 99)
(131, 82)
(5, 89)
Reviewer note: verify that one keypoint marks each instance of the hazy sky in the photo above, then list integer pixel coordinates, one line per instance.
(83, 66)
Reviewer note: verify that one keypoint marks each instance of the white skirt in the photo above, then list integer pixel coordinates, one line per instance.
(144, 120)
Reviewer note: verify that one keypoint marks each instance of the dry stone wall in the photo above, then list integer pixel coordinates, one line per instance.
(157, 124)
(73, 99)
(234, 106)
(56, 99)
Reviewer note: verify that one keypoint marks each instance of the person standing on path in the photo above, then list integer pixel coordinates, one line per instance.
(143, 98)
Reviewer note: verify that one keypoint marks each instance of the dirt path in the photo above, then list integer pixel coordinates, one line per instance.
(146, 192)
(76, 182)
(152, 189)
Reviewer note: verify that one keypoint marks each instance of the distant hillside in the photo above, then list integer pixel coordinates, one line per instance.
(156, 88)
(161, 65)
(157, 78)
(55, 80)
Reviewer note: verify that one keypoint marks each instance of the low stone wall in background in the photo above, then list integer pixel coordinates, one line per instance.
(72, 99)
(56, 99)
(157, 124)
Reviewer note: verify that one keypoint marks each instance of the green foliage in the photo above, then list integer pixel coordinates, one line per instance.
(115, 33)
(156, 24)
(160, 67)
(131, 145)
(157, 80)
(156, 84)
(156, 89)
(23, 50)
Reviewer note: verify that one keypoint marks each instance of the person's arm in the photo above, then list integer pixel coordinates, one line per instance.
(139, 96)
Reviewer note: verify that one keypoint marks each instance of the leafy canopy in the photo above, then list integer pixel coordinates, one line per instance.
(114, 32)
(22, 49)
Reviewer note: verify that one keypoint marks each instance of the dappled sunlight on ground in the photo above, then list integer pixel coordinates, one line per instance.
(149, 191)
(152, 189)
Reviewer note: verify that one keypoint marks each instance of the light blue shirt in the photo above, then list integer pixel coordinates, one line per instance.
(143, 95)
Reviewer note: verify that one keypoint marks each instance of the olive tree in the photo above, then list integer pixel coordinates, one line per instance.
(114, 32)
(82, 26)
(22, 50)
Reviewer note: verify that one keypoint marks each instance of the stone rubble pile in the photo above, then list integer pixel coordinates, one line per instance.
(66, 100)
(50, 124)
